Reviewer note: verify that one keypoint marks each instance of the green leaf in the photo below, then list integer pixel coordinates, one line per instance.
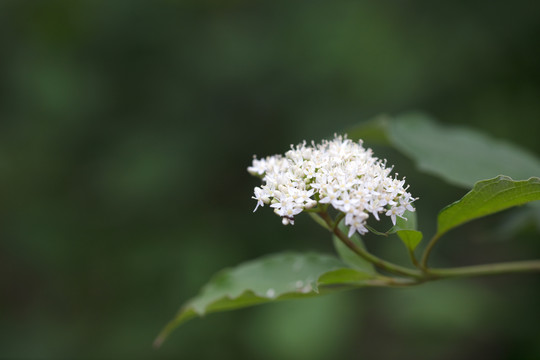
(271, 278)
(345, 276)
(411, 238)
(488, 197)
(350, 257)
(459, 155)
(406, 230)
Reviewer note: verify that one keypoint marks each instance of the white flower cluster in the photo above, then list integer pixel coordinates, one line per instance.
(339, 172)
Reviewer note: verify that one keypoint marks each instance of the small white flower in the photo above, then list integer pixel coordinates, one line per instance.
(338, 172)
(346, 203)
(331, 197)
(395, 211)
(376, 206)
(261, 196)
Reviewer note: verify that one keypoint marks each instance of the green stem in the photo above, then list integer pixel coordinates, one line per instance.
(339, 217)
(380, 263)
(415, 277)
(489, 269)
(413, 259)
(385, 281)
(427, 251)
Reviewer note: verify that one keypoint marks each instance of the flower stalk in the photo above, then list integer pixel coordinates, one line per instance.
(427, 251)
(487, 269)
(423, 274)
(378, 262)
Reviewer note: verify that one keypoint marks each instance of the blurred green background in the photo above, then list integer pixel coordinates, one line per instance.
(125, 131)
